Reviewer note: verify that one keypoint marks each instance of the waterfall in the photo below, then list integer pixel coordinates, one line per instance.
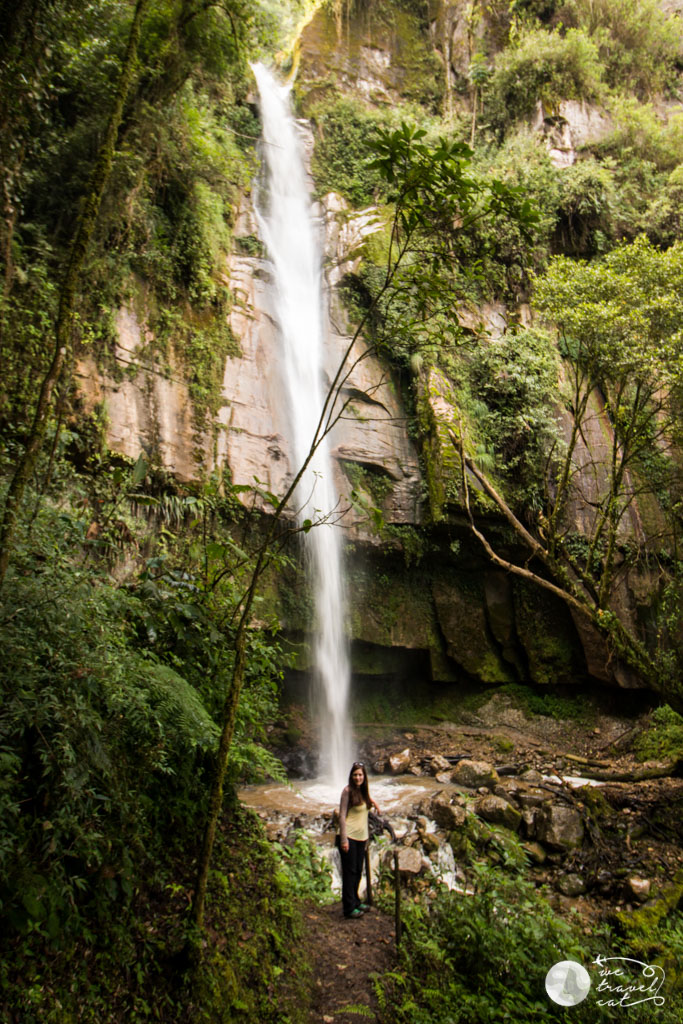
(288, 230)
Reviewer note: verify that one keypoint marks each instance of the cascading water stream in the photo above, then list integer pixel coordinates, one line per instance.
(288, 230)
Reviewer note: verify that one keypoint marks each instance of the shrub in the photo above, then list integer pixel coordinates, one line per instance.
(639, 43)
(99, 746)
(663, 738)
(664, 217)
(586, 208)
(514, 380)
(640, 132)
(542, 67)
(482, 957)
(342, 151)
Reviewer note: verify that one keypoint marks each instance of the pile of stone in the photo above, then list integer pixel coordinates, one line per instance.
(546, 817)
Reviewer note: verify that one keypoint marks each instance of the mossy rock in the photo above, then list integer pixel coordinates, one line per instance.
(553, 649)
(641, 925)
(439, 417)
(461, 611)
(377, 50)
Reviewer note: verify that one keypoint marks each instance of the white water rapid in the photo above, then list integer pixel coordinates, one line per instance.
(288, 229)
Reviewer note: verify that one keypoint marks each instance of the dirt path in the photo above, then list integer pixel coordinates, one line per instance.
(345, 954)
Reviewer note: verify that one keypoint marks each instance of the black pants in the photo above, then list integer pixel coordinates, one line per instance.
(351, 871)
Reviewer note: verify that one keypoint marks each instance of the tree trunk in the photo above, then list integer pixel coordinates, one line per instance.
(79, 246)
(216, 799)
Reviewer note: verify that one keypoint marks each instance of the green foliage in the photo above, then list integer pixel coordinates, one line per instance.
(341, 158)
(428, 257)
(107, 726)
(483, 957)
(662, 739)
(508, 250)
(587, 209)
(370, 479)
(542, 66)
(622, 332)
(104, 746)
(638, 40)
(642, 153)
(514, 378)
(166, 217)
(547, 705)
(255, 971)
(307, 871)
(641, 132)
(665, 213)
(617, 313)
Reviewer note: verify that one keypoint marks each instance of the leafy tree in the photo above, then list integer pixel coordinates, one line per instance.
(621, 337)
(67, 295)
(434, 245)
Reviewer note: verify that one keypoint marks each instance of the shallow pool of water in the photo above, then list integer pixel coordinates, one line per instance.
(311, 797)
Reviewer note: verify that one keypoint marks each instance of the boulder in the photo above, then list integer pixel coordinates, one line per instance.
(439, 764)
(638, 888)
(430, 842)
(534, 852)
(399, 763)
(531, 777)
(529, 815)
(473, 774)
(448, 816)
(531, 796)
(498, 811)
(410, 861)
(571, 885)
(508, 788)
(559, 826)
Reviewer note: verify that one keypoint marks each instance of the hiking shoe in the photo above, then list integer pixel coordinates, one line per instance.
(363, 907)
(356, 913)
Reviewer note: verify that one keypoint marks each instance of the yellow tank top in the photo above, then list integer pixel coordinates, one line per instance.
(357, 822)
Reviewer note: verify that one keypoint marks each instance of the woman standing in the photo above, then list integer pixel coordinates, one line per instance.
(353, 836)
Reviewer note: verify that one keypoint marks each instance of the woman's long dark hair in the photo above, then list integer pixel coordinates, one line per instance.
(358, 794)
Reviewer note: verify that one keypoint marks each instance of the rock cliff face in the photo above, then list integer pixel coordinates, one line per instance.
(447, 615)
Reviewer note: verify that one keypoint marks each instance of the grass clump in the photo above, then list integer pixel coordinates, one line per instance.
(662, 738)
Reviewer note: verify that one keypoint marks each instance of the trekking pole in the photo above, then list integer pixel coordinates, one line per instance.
(397, 900)
(368, 875)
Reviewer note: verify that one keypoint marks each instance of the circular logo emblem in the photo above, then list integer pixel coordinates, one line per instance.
(567, 983)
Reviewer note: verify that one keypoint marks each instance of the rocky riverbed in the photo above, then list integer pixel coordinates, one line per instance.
(600, 831)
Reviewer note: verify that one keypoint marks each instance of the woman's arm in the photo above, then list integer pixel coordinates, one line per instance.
(343, 808)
